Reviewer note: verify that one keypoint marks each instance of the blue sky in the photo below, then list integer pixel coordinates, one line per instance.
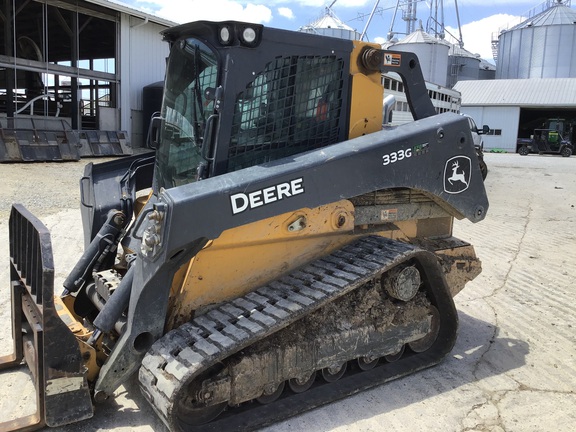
(480, 19)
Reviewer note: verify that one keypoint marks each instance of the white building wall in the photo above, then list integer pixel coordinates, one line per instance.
(503, 118)
(142, 62)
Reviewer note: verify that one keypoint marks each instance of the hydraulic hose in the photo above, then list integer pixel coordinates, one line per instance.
(103, 244)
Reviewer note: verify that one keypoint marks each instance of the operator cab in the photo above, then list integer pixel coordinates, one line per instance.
(227, 107)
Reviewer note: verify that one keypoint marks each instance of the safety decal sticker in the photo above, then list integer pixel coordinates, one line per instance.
(457, 174)
(392, 59)
(389, 214)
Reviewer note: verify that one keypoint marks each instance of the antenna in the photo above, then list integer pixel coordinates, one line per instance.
(369, 19)
(436, 24)
(408, 8)
(460, 40)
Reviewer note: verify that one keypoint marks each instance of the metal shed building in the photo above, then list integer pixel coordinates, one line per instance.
(513, 108)
(84, 62)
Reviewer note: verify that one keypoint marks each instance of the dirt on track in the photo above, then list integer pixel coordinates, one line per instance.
(514, 364)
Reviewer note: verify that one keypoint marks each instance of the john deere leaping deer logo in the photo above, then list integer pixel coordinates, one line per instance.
(457, 174)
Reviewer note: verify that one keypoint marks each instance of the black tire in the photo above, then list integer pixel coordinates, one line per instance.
(566, 152)
(391, 358)
(483, 168)
(300, 386)
(191, 413)
(523, 151)
(333, 374)
(272, 394)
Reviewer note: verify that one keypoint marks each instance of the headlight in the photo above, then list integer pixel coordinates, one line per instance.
(225, 35)
(249, 36)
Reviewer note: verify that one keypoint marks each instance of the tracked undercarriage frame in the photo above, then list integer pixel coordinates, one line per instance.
(180, 366)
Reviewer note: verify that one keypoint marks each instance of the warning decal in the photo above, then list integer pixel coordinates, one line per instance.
(389, 214)
(392, 59)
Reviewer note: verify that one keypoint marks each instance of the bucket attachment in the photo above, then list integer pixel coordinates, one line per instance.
(28, 139)
(41, 339)
(103, 143)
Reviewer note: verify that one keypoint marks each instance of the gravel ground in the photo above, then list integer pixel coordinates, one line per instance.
(513, 367)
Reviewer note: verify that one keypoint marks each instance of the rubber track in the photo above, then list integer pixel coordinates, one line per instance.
(184, 353)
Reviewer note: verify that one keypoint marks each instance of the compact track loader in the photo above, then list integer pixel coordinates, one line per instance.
(279, 250)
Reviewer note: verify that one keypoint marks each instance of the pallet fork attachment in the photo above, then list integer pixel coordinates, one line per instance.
(41, 339)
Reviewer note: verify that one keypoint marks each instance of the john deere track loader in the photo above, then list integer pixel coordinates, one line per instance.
(280, 249)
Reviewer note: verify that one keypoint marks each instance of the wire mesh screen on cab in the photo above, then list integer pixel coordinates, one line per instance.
(294, 105)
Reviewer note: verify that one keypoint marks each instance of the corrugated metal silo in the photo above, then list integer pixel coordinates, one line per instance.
(540, 47)
(462, 65)
(330, 25)
(432, 53)
(487, 70)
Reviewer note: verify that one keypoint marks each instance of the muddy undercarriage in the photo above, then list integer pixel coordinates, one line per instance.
(370, 312)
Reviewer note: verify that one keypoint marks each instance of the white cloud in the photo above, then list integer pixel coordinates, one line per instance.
(323, 3)
(312, 3)
(478, 35)
(495, 3)
(213, 10)
(286, 12)
(353, 3)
